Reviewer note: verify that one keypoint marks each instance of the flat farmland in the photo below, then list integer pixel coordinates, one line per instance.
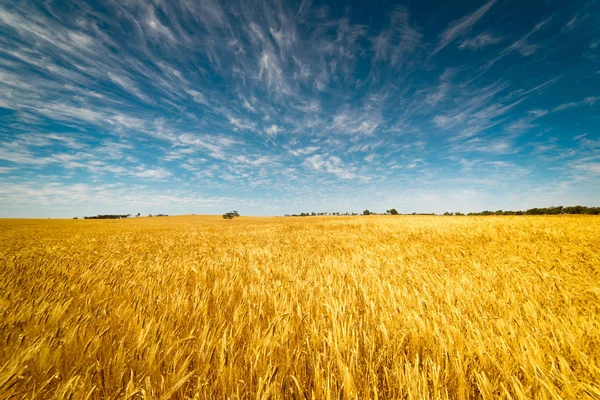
(387, 307)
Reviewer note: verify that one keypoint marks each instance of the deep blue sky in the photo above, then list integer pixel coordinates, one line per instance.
(203, 106)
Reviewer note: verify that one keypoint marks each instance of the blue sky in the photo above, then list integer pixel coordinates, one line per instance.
(203, 106)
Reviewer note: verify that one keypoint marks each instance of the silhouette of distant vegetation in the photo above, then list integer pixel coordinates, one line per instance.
(319, 214)
(392, 211)
(109, 216)
(560, 210)
(119, 216)
(231, 215)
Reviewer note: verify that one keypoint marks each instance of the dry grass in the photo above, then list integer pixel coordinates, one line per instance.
(361, 307)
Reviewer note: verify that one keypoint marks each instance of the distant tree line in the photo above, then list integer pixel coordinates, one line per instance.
(318, 214)
(119, 216)
(108, 216)
(392, 211)
(560, 210)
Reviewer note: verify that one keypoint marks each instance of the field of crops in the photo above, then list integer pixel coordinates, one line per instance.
(334, 307)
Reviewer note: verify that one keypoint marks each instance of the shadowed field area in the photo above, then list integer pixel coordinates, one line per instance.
(332, 307)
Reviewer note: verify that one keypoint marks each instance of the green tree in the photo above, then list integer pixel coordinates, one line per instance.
(231, 215)
(366, 212)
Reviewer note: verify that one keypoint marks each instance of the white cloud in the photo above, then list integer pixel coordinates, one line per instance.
(272, 130)
(590, 144)
(565, 106)
(19, 154)
(370, 158)
(198, 97)
(458, 28)
(355, 123)
(330, 164)
(272, 73)
(304, 151)
(522, 45)
(538, 112)
(254, 162)
(521, 125)
(479, 42)
(588, 167)
(241, 123)
(397, 43)
(478, 117)
(588, 101)
(573, 23)
(528, 49)
(525, 124)
(216, 146)
(157, 27)
(154, 174)
(128, 86)
(496, 146)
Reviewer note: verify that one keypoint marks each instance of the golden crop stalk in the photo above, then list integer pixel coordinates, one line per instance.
(335, 307)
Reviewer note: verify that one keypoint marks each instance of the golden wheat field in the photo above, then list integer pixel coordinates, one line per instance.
(378, 307)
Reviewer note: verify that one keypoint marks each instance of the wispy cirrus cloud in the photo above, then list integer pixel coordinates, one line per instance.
(330, 164)
(459, 27)
(283, 101)
(588, 101)
(522, 45)
(479, 42)
(396, 44)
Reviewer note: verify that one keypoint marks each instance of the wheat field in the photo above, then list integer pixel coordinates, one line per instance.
(378, 307)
